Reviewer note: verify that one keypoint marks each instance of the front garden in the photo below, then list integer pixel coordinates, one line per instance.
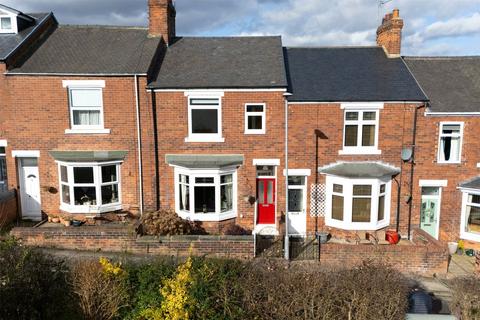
(35, 285)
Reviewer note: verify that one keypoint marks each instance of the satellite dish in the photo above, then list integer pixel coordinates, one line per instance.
(407, 154)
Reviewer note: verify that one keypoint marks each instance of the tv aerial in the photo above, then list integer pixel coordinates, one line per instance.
(381, 4)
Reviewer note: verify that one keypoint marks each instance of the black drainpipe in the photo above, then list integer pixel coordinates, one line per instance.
(412, 170)
(155, 143)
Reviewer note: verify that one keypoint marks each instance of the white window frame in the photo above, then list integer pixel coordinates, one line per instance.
(441, 135)
(13, 21)
(361, 108)
(4, 183)
(262, 114)
(97, 184)
(205, 137)
(72, 85)
(299, 187)
(463, 223)
(347, 184)
(202, 173)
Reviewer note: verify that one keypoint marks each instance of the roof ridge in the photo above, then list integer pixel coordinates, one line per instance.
(441, 57)
(333, 47)
(99, 26)
(226, 37)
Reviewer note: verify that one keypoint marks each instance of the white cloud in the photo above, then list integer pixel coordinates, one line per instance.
(433, 26)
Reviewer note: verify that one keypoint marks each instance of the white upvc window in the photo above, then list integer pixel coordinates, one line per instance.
(470, 218)
(8, 22)
(361, 126)
(90, 188)
(255, 118)
(358, 204)
(450, 142)
(204, 119)
(3, 170)
(85, 99)
(206, 195)
(297, 193)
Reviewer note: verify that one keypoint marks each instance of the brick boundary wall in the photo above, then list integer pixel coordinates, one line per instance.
(124, 239)
(425, 256)
(8, 208)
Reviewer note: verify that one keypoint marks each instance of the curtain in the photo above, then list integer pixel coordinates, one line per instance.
(86, 117)
(227, 197)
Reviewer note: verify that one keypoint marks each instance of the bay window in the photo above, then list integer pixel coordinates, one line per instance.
(212, 194)
(470, 223)
(358, 204)
(450, 143)
(90, 187)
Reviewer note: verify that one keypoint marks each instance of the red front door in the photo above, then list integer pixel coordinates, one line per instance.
(266, 201)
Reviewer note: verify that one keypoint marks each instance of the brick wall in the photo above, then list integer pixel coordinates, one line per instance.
(427, 168)
(424, 256)
(8, 208)
(124, 239)
(395, 133)
(172, 117)
(37, 115)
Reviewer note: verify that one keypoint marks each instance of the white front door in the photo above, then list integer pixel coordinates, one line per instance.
(297, 205)
(30, 189)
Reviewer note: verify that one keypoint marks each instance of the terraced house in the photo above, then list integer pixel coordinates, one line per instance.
(237, 130)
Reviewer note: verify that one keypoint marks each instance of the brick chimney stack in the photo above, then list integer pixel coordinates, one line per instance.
(162, 19)
(389, 34)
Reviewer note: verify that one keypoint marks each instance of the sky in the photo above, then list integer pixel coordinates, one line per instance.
(432, 27)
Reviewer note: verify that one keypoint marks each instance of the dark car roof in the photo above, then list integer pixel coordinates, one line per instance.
(222, 62)
(349, 74)
(451, 83)
(92, 50)
(10, 42)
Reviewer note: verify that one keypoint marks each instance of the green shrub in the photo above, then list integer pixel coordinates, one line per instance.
(33, 285)
(144, 282)
(466, 298)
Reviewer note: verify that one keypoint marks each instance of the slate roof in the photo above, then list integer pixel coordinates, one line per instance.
(9, 42)
(451, 83)
(222, 62)
(360, 169)
(93, 50)
(471, 184)
(348, 74)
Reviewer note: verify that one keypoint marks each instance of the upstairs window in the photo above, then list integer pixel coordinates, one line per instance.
(85, 99)
(255, 118)
(450, 143)
(3, 170)
(361, 126)
(204, 119)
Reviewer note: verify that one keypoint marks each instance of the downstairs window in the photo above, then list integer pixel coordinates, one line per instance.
(205, 195)
(90, 188)
(3, 170)
(358, 204)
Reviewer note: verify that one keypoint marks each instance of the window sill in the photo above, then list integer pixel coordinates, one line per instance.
(364, 226)
(208, 217)
(470, 236)
(198, 139)
(90, 210)
(360, 151)
(255, 132)
(445, 162)
(87, 131)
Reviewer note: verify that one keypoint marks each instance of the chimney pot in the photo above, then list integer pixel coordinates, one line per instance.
(389, 34)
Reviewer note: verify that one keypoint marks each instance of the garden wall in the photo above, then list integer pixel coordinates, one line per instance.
(425, 255)
(8, 208)
(124, 239)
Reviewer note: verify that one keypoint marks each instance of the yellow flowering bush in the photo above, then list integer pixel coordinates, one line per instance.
(109, 268)
(177, 301)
